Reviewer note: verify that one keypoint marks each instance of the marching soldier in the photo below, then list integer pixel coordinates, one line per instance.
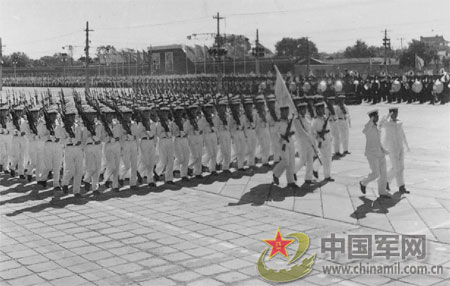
(221, 121)
(146, 132)
(394, 141)
(92, 136)
(195, 140)
(112, 148)
(321, 133)
(262, 130)
(166, 152)
(287, 162)
(248, 119)
(375, 154)
(206, 124)
(73, 154)
(180, 143)
(237, 132)
(5, 138)
(129, 148)
(16, 158)
(272, 120)
(334, 126)
(303, 132)
(344, 123)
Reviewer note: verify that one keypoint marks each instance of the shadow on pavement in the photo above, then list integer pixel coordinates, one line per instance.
(258, 195)
(381, 205)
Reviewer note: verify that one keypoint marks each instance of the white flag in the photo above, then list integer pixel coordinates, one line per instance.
(282, 94)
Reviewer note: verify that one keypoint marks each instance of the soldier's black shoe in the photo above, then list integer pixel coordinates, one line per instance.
(121, 182)
(266, 165)
(310, 182)
(199, 176)
(101, 178)
(214, 173)
(227, 171)
(218, 166)
(134, 188)
(77, 196)
(190, 172)
(139, 178)
(205, 169)
(1, 168)
(176, 174)
(295, 177)
(241, 169)
(22, 177)
(337, 154)
(13, 173)
(292, 185)
(50, 175)
(43, 184)
(316, 174)
(96, 193)
(152, 185)
(57, 189)
(87, 187)
(155, 177)
(347, 153)
(329, 179)
(116, 190)
(108, 184)
(170, 183)
(403, 190)
(65, 189)
(185, 179)
(362, 188)
(29, 178)
(387, 187)
(276, 181)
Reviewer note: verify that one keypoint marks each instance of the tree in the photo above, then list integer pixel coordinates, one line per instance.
(20, 58)
(360, 50)
(420, 49)
(297, 48)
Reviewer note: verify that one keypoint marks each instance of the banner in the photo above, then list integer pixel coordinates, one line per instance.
(419, 63)
(282, 94)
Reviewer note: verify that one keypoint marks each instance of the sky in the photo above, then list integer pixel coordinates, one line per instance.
(44, 27)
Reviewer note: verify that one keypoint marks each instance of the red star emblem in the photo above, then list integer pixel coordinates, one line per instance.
(278, 245)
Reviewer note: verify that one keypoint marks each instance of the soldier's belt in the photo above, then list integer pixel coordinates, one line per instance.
(148, 138)
(341, 118)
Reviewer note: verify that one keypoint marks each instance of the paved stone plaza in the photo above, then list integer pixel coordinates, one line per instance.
(210, 231)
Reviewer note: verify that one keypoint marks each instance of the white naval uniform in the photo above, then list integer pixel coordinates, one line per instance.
(181, 148)
(53, 151)
(305, 141)
(325, 145)
(274, 139)
(287, 161)
(394, 142)
(128, 166)
(343, 124)
(113, 153)
(263, 136)
(73, 158)
(147, 150)
(210, 139)
(17, 145)
(30, 156)
(251, 140)
(166, 151)
(238, 139)
(375, 154)
(334, 128)
(92, 155)
(4, 138)
(224, 140)
(195, 140)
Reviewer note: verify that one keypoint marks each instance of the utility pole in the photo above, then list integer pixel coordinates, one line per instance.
(1, 64)
(217, 51)
(86, 50)
(257, 52)
(307, 57)
(387, 45)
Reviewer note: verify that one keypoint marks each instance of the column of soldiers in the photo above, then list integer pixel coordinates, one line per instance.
(161, 130)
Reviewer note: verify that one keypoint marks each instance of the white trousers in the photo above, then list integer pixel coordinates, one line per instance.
(275, 144)
(211, 150)
(92, 164)
(129, 161)
(225, 149)
(196, 148)
(343, 133)
(377, 171)
(397, 158)
(4, 139)
(263, 136)
(112, 157)
(306, 158)
(147, 159)
(239, 145)
(166, 158)
(251, 146)
(53, 153)
(336, 136)
(73, 167)
(287, 162)
(325, 157)
(181, 150)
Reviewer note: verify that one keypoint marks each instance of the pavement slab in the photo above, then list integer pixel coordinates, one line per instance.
(210, 231)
